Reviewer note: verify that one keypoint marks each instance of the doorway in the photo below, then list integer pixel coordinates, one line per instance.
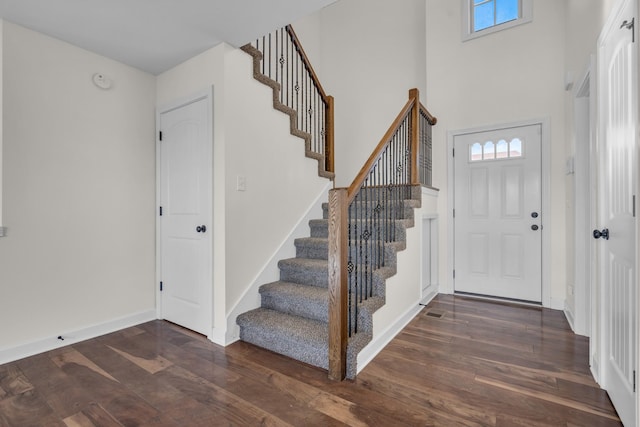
(185, 223)
(498, 212)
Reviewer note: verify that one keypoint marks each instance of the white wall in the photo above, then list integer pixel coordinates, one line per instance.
(252, 140)
(368, 54)
(78, 167)
(504, 77)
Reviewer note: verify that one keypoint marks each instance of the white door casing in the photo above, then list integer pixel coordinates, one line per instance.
(186, 226)
(498, 213)
(617, 172)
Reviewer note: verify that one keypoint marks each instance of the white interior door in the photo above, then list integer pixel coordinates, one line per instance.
(497, 222)
(186, 220)
(617, 210)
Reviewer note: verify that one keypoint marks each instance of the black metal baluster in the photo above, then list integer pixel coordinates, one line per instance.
(276, 55)
(365, 212)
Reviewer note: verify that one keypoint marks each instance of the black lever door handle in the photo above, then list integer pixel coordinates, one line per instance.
(201, 229)
(604, 234)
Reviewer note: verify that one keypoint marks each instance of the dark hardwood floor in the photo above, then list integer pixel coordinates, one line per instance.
(479, 364)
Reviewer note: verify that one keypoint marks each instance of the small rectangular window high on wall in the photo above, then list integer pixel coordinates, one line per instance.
(481, 17)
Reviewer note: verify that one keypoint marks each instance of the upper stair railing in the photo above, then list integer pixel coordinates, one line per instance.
(280, 58)
(363, 219)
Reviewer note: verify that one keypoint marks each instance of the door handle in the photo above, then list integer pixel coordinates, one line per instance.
(534, 227)
(534, 214)
(604, 234)
(201, 229)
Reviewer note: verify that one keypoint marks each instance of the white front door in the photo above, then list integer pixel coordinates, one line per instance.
(617, 210)
(497, 213)
(186, 220)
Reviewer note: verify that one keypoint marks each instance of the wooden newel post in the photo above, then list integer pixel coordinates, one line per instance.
(415, 129)
(338, 207)
(329, 150)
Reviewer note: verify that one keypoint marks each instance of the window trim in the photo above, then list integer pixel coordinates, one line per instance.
(526, 15)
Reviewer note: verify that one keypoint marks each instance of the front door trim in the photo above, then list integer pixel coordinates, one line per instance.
(547, 299)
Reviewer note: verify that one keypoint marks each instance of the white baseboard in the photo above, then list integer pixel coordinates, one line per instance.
(595, 370)
(377, 344)
(569, 316)
(429, 295)
(218, 336)
(11, 354)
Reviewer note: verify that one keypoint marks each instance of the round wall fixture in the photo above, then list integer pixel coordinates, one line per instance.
(101, 81)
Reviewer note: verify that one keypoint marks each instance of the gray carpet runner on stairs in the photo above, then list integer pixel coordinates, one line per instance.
(293, 316)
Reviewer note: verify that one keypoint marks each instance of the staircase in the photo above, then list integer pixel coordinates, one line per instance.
(321, 310)
(293, 317)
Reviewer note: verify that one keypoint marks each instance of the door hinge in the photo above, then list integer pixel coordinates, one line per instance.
(633, 205)
(160, 210)
(160, 135)
(453, 152)
(634, 381)
(454, 213)
(161, 287)
(454, 274)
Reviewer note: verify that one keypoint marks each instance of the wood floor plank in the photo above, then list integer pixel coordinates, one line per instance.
(27, 409)
(151, 365)
(93, 415)
(295, 398)
(569, 403)
(225, 404)
(77, 358)
(65, 395)
(480, 363)
(12, 380)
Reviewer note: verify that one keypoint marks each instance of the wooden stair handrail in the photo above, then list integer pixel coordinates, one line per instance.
(370, 163)
(305, 60)
(431, 119)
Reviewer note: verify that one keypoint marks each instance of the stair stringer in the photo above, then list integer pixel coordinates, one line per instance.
(293, 114)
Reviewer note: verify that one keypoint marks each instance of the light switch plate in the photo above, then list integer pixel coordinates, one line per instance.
(241, 184)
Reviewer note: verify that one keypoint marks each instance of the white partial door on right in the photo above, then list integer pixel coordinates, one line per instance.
(617, 210)
(497, 213)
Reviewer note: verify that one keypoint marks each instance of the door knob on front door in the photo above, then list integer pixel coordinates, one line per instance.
(604, 234)
(201, 228)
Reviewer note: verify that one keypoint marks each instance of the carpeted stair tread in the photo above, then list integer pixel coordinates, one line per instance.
(297, 337)
(319, 228)
(312, 247)
(306, 271)
(311, 302)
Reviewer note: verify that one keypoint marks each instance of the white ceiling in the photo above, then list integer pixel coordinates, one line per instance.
(155, 35)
